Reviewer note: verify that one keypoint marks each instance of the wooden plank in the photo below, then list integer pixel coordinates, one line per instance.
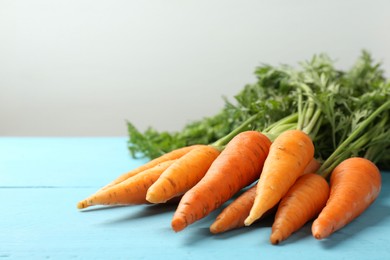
(59, 162)
(44, 223)
(43, 179)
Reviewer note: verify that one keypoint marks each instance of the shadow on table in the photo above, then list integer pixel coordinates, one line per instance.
(200, 233)
(101, 208)
(263, 223)
(144, 211)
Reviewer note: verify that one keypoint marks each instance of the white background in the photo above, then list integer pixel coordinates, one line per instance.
(82, 68)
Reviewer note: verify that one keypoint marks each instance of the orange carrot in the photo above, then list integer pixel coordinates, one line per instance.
(354, 185)
(175, 154)
(312, 167)
(182, 175)
(237, 211)
(238, 165)
(234, 214)
(130, 191)
(303, 201)
(288, 157)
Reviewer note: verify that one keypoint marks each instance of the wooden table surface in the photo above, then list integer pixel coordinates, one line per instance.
(42, 179)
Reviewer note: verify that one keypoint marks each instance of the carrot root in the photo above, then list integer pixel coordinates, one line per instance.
(312, 167)
(304, 200)
(238, 165)
(289, 155)
(354, 185)
(172, 155)
(234, 214)
(182, 175)
(131, 191)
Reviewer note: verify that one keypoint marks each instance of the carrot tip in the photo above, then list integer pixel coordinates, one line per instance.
(178, 224)
(248, 221)
(152, 198)
(215, 229)
(276, 238)
(81, 205)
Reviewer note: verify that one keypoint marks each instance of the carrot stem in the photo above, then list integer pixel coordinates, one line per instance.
(272, 131)
(310, 117)
(224, 140)
(327, 166)
(300, 109)
(313, 123)
(284, 124)
(309, 112)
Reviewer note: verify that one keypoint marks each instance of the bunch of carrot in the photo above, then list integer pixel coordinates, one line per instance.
(278, 168)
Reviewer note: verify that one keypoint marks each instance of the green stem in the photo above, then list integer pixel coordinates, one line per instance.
(277, 130)
(355, 146)
(313, 123)
(309, 113)
(328, 165)
(288, 122)
(244, 126)
(300, 109)
(379, 142)
(285, 120)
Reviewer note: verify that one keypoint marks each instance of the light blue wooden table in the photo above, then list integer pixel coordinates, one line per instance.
(41, 180)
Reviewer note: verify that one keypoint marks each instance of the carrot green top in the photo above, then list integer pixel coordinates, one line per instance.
(345, 112)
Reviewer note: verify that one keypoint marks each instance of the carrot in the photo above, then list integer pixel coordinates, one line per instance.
(234, 214)
(238, 165)
(130, 191)
(175, 154)
(182, 175)
(237, 211)
(312, 167)
(354, 185)
(288, 157)
(303, 202)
